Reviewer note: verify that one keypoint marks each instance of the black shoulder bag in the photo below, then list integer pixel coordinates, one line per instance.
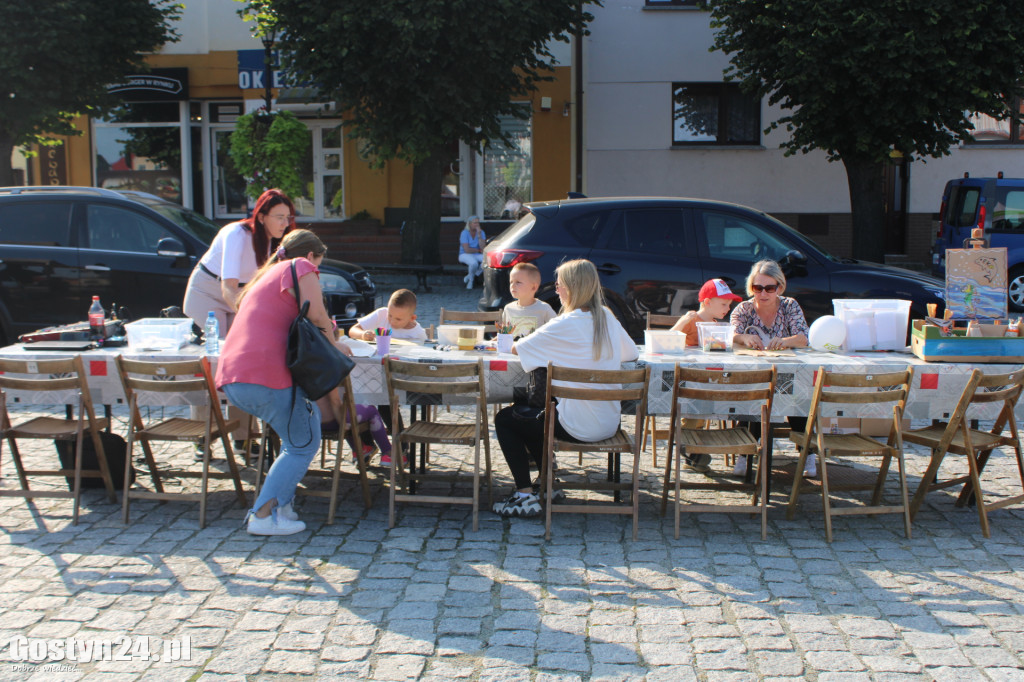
(317, 366)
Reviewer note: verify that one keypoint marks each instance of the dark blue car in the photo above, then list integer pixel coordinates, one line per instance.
(655, 253)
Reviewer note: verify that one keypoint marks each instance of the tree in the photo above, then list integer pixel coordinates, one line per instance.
(60, 58)
(412, 76)
(863, 79)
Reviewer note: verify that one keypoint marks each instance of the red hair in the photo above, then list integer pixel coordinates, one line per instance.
(261, 243)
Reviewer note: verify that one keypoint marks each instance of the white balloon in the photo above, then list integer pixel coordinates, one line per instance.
(827, 333)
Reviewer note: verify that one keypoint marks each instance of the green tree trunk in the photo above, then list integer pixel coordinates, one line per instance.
(421, 235)
(866, 180)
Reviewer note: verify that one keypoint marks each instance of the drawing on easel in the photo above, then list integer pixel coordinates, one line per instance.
(976, 284)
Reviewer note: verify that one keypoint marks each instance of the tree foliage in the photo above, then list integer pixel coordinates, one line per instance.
(60, 57)
(861, 79)
(412, 76)
(268, 149)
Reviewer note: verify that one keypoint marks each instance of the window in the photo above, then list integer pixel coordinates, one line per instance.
(138, 147)
(116, 229)
(714, 114)
(670, 3)
(657, 231)
(733, 238)
(1008, 214)
(30, 224)
(508, 170)
(963, 205)
(988, 130)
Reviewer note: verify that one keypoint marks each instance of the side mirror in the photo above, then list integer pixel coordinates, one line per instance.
(792, 260)
(170, 247)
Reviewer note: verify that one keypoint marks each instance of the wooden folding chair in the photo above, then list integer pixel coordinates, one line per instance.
(271, 445)
(655, 321)
(955, 436)
(427, 384)
(833, 388)
(746, 386)
(604, 385)
(68, 376)
(191, 377)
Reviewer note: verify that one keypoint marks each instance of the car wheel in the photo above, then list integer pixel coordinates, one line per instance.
(1015, 289)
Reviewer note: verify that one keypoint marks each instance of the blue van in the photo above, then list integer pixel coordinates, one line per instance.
(995, 205)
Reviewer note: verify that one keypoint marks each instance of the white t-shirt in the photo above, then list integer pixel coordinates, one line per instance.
(566, 341)
(526, 319)
(231, 255)
(379, 318)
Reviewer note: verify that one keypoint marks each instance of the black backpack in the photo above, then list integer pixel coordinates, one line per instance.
(116, 450)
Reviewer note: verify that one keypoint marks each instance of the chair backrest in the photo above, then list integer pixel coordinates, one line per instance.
(655, 321)
(729, 386)
(176, 376)
(432, 381)
(988, 388)
(617, 384)
(488, 319)
(860, 389)
(67, 374)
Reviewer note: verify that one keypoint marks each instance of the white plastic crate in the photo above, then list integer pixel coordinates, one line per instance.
(158, 333)
(664, 341)
(873, 323)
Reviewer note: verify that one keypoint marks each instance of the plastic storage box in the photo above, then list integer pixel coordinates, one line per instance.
(873, 324)
(664, 341)
(993, 346)
(158, 333)
(714, 336)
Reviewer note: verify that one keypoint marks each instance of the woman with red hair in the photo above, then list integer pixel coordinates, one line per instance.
(237, 252)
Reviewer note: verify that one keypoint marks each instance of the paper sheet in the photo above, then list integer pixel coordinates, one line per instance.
(360, 349)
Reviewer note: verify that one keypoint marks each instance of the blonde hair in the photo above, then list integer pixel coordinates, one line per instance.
(580, 279)
(769, 268)
(532, 270)
(295, 244)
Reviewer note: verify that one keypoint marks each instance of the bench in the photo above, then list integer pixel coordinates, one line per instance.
(421, 270)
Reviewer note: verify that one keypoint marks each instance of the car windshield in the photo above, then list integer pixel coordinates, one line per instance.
(806, 238)
(202, 227)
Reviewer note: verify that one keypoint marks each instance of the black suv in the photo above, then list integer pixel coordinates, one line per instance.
(59, 246)
(654, 254)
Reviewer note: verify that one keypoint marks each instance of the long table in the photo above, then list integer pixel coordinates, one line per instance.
(936, 386)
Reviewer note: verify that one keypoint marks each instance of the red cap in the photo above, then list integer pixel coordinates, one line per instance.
(716, 288)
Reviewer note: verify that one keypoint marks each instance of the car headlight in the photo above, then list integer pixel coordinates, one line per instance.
(335, 284)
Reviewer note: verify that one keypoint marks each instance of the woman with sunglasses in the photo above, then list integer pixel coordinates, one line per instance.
(768, 320)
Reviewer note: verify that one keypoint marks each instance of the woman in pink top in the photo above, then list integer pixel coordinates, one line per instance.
(252, 372)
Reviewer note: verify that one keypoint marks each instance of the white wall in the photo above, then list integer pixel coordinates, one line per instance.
(211, 26)
(631, 59)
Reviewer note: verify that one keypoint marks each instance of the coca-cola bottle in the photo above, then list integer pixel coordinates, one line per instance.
(96, 316)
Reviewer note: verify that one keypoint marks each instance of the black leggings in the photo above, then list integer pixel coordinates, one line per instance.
(520, 431)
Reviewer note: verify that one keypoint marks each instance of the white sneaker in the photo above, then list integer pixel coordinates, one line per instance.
(740, 468)
(273, 524)
(285, 511)
(811, 466)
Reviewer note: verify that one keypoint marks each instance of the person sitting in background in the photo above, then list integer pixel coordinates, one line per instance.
(399, 316)
(770, 321)
(471, 250)
(525, 313)
(715, 298)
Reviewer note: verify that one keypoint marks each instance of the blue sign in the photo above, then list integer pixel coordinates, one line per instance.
(252, 73)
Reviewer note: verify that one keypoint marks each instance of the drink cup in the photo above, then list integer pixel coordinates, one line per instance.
(504, 343)
(383, 345)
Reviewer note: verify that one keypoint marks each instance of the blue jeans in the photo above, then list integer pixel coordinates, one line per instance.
(297, 425)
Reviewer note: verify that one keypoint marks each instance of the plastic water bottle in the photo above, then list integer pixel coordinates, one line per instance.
(211, 332)
(96, 315)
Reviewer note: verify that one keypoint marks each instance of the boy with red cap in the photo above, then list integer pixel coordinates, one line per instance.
(715, 298)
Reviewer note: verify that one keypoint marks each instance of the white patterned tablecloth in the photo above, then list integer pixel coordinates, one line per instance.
(935, 390)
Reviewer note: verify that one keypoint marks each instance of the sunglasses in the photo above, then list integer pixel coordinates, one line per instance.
(770, 288)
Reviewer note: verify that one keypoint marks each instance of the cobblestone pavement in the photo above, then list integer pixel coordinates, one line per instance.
(431, 599)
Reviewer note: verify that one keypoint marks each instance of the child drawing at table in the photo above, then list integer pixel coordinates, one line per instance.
(525, 313)
(399, 316)
(715, 299)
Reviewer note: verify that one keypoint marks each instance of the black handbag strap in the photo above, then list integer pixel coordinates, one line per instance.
(303, 309)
